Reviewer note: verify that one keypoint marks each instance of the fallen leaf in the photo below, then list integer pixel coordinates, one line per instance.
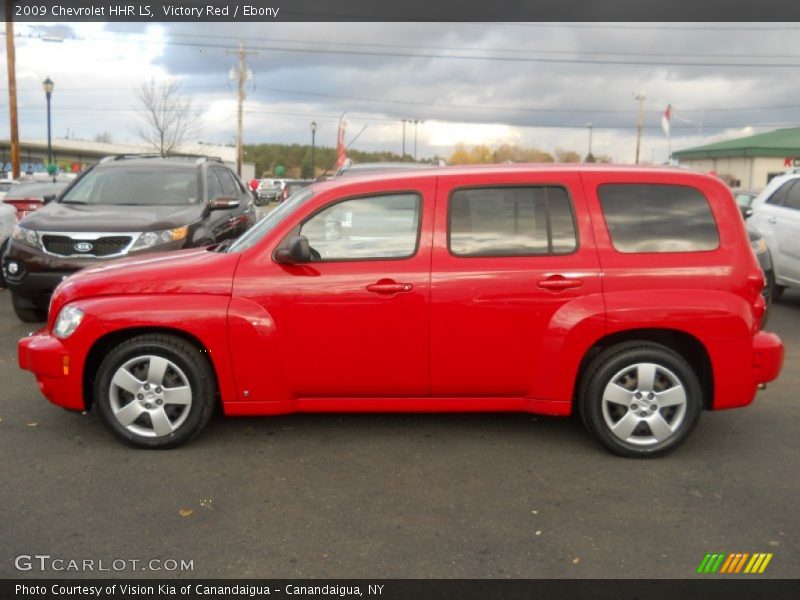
(32, 424)
(185, 512)
(576, 560)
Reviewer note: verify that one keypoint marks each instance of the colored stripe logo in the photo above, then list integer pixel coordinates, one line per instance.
(740, 562)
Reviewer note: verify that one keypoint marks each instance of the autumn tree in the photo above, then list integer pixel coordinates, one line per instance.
(168, 118)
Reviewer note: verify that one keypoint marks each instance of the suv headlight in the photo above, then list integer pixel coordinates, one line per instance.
(67, 322)
(26, 236)
(148, 239)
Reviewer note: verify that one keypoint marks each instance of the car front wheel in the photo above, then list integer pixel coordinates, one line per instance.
(640, 399)
(155, 391)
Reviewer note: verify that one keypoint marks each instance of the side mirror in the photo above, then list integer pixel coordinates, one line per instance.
(747, 212)
(223, 203)
(296, 252)
(49, 198)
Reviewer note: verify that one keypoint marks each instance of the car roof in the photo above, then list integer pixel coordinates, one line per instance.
(468, 171)
(24, 190)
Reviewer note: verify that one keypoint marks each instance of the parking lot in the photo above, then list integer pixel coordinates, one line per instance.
(487, 496)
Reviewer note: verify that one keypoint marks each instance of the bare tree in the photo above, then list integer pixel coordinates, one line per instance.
(104, 137)
(168, 117)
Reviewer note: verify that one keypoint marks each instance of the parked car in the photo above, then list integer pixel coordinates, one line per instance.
(759, 246)
(8, 218)
(5, 187)
(29, 197)
(776, 216)
(269, 190)
(744, 199)
(292, 185)
(124, 205)
(629, 296)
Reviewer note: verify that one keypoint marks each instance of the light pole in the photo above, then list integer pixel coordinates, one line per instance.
(313, 148)
(589, 156)
(641, 97)
(47, 84)
(416, 123)
(404, 138)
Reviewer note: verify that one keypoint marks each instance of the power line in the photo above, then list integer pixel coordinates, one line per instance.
(509, 59)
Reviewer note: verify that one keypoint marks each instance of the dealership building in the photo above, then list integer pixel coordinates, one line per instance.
(749, 162)
(74, 156)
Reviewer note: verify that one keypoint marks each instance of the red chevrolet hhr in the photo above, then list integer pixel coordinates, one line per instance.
(628, 295)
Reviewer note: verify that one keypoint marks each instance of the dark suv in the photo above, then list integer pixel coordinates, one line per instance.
(123, 206)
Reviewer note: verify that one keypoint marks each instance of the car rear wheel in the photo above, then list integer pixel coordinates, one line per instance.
(640, 399)
(155, 391)
(26, 311)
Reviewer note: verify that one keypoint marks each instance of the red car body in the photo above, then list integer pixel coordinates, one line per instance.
(459, 334)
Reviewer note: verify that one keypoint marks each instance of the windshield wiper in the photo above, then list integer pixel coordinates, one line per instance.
(222, 246)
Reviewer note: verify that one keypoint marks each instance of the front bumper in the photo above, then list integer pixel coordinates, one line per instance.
(58, 365)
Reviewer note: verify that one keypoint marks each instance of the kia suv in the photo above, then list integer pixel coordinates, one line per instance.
(123, 206)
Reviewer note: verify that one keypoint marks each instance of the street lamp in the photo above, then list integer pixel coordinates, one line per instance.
(313, 148)
(416, 123)
(47, 84)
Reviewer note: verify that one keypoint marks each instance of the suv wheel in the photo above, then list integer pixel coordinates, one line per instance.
(26, 311)
(640, 399)
(155, 391)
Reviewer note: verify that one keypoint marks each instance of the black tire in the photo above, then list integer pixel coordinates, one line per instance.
(598, 412)
(26, 311)
(3, 247)
(188, 365)
(775, 291)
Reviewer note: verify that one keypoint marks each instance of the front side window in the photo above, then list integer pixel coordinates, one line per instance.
(511, 221)
(375, 227)
(658, 218)
(793, 197)
(213, 185)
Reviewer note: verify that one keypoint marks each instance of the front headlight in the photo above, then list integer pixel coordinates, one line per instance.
(26, 236)
(759, 246)
(148, 239)
(67, 322)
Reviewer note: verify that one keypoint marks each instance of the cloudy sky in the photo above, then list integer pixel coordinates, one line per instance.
(536, 85)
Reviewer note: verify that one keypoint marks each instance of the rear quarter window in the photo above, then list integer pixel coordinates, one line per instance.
(658, 218)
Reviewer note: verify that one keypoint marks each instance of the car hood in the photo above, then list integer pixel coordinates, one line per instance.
(58, 216)
(194, 271)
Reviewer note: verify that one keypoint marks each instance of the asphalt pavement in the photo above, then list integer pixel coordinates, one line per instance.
(409, 496)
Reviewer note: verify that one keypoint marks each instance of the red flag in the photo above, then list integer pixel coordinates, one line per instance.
(341, 150)
(665, 120)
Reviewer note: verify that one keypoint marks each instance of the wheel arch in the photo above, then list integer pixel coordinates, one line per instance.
(103, 345)
(685, 344)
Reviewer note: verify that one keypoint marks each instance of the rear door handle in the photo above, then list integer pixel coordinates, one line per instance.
(389, 286)
(559, 282)
(772, 220)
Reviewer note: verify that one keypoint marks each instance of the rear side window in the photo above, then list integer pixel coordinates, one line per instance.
(511, 221)
(658, 218)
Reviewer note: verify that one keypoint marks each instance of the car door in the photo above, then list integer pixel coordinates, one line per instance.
(354, 322)
(782, 220)
(512, 256)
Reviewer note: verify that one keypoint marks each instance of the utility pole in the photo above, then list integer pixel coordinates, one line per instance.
(404, 138)
(241, 77)
(12, 91)
(640, 96)
(416, 123)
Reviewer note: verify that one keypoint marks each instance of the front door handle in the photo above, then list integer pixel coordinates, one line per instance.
(559, 282)
(389, 286)
(772, 220)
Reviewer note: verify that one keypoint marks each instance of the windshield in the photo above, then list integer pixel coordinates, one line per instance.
(265, 225)
(136, 186)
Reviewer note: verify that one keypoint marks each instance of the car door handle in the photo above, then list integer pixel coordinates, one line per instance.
(389, 286)
(559, 282)
(772, 220)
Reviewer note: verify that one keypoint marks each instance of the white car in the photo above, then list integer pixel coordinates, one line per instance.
(8, 218)
(776, 216)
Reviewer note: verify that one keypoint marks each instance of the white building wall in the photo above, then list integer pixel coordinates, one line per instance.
(752, 172)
